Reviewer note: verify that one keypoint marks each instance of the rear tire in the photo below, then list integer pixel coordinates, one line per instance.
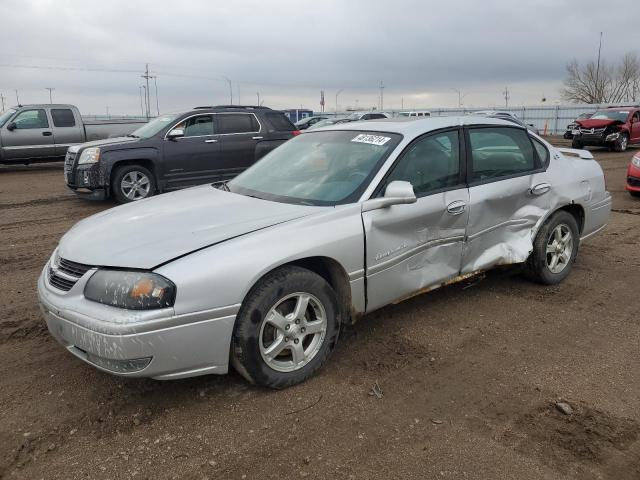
(286, 328)
(131, 183)
(554, 249)
(634, 194)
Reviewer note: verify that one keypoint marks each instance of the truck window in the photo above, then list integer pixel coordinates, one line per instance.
(237, 123)
(31, 119)
(63, 117)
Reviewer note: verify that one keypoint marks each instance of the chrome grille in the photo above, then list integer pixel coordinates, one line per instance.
(592, 131)
(69, 161)
(64, 274)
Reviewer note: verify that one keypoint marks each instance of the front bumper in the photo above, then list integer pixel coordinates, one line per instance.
(633, 178)
(157, 344)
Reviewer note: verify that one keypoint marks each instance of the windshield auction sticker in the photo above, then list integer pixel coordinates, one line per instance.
(371, 139)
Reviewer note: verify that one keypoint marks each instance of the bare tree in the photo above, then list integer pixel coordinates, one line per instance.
(608, 84)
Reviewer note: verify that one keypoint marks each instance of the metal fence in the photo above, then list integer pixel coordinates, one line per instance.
(549, 119)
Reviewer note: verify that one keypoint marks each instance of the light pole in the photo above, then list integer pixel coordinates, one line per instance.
(155, 82)
(146, 100)
(141, 107)
(230, 89)
(338, 93)
(460, 96)
(258, 94)
(50, 95)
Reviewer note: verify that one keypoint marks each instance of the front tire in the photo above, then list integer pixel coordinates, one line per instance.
(286, 328)
(621, 143)
(555, 249)
(577, 144)
(131, 183)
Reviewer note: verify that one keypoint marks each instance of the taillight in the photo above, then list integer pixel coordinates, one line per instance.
(296, 132)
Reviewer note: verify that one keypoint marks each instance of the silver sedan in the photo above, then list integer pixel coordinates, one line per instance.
(264, 270)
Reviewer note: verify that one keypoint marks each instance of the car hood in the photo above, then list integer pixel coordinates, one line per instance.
(151, 232)
(598, 123)
(115, 141)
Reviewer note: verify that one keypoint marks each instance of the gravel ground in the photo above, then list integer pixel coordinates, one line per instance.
(469, 376)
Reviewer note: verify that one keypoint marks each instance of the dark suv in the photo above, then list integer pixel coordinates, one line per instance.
(206, 144)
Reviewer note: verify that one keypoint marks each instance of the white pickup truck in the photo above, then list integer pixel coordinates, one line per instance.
(42, 133)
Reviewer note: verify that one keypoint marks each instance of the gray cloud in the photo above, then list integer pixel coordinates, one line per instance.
(289, 50)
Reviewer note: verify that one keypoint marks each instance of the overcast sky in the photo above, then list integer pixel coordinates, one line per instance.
(93, 52)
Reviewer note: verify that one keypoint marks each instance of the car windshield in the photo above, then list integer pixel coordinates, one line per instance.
(148, 130)
(317, 168)
(620, 115)
(355, 116)
(6, 116)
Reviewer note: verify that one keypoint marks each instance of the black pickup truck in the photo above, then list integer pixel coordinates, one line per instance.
(204, 145)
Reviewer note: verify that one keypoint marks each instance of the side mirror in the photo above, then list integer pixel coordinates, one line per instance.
(175, 133)
(12, 126)
(397, 192)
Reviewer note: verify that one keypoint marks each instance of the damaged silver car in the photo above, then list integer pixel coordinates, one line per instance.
(262, 271)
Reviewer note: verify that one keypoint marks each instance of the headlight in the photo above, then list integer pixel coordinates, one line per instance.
(130, 290)
(636, 161)
(89, 155)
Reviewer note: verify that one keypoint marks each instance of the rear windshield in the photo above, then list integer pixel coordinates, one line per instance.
(279, 121)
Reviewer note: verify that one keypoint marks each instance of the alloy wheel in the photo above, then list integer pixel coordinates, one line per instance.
(135, 185)
(559, 248)
(293, 332)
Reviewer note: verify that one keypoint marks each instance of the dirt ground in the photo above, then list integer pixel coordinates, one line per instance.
(469, 375)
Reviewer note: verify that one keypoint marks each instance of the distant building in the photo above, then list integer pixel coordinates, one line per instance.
(295, 115)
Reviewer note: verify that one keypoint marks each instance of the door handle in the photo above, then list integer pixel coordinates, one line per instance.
(540, 189)
(212, 140)
(457, 207)
(46, 134)
(257, 138)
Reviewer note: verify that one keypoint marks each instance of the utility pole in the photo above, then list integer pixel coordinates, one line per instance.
(258, 94)
(381, 95)
(146, 76)
(460, 96)
(155, 82)
(17, 99)
(140, 87)
(338, 93)
(50, 96)
(238, 95)
(2, 97)
(401, 103)
(507, 96)
(230, 90)
(107, 111)
(146, 112)
(598, 95)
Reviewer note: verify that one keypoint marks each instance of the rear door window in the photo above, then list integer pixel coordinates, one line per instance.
(237, 123)
(500, 152)
(63, 117)
(279, 122)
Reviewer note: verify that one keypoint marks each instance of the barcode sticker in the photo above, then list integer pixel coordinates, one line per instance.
(371, 139)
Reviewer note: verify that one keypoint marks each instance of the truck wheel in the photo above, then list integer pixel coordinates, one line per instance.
(131, 183)
(577, 144)
(554, 249)
(286, 328)
(622, 143)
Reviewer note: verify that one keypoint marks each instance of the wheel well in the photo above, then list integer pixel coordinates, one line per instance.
(334, 274)
(578, 213)
(143, 162)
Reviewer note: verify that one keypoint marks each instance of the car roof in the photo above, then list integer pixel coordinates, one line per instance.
(413, 126)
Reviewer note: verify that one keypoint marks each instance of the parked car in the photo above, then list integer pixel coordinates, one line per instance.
(615, 128)
(266, 269)
(357, 116)
(309, 121)
(422, 113)
(42, 133)
(568, 134)
(203, 145)
(509, 117)
(329, 121)
(633, 176)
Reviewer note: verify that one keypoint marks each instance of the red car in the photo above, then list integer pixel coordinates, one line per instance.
(614, 127)
(633, 176)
